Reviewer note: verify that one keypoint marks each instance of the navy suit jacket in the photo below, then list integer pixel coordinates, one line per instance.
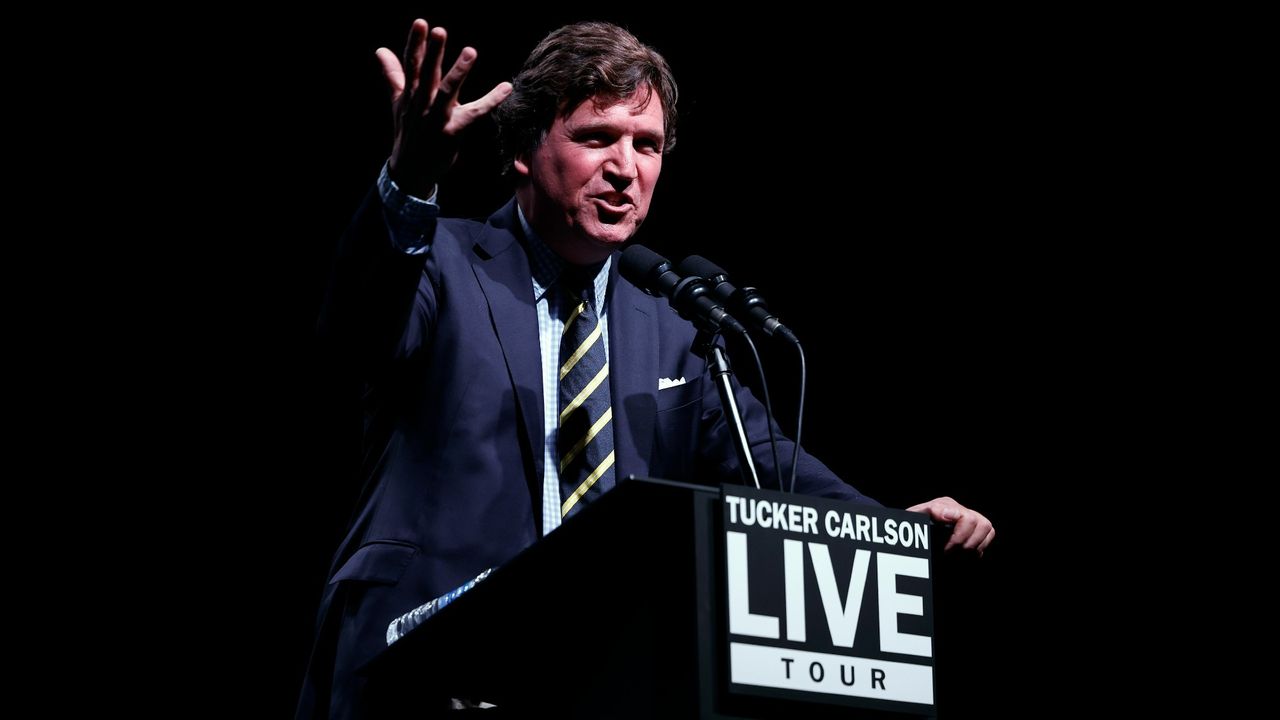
(448, 344)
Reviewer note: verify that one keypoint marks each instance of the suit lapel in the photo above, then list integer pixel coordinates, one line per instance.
(505, 280)
(633, 375)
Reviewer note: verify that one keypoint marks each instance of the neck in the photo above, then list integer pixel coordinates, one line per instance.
(563, 241)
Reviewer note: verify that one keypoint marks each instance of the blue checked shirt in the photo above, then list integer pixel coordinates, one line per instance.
(406, 219)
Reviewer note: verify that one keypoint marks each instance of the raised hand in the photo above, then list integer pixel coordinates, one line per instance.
(428, 116)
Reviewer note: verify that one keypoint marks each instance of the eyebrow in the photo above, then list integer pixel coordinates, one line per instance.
(595, 126)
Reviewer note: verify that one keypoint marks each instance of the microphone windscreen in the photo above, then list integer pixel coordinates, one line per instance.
(699, 266)
(638, 264)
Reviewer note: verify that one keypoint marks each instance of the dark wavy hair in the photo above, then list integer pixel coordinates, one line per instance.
(588, 60)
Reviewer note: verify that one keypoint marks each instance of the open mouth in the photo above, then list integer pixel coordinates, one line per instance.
(614, 203)
(610, 213)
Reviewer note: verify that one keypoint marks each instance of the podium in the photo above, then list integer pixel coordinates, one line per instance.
(614, 615)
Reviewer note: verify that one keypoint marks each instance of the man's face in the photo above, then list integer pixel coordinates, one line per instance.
(591, 179)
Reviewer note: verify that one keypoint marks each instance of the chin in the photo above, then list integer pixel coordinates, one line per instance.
(612, 237)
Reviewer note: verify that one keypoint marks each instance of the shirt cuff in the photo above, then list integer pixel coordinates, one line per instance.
(409, 218)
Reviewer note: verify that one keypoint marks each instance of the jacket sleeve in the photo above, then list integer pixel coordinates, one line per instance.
(380, 304)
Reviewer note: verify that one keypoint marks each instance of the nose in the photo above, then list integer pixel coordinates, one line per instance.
(620, 167)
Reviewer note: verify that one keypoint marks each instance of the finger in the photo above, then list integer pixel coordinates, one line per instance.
(391, 72)
(963, 531)
(438, 37)
(978, 534)
(415, 47)
(958, 536)
(452, 82)
(982, 546)
(456, 90)
(464, 115)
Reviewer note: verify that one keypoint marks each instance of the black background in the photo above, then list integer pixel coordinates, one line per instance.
(907, 191)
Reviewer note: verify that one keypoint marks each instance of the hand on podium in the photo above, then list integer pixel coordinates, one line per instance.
(972, 530)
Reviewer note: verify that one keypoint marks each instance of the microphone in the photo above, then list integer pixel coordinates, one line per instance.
(690, 296)
(745, 303)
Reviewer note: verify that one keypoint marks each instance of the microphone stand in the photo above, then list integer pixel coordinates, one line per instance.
(705, 347)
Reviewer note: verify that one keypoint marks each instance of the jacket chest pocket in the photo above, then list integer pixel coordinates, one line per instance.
(679, 396)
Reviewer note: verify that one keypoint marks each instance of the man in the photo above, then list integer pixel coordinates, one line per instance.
(471, 338)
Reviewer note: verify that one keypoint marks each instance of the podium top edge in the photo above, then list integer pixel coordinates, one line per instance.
(708, 489)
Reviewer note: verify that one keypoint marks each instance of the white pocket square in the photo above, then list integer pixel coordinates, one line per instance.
(664, 383)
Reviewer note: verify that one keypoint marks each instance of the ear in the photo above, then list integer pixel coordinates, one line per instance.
(521, 164)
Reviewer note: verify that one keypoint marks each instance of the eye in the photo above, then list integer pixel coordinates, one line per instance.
(648, 145)
(595, 139)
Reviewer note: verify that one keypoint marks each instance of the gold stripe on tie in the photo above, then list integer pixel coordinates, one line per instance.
(586, 485)
(582, 350)
(577, 447)
(586, 393)
(574, 316)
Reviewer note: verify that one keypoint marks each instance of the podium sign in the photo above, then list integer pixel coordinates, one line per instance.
(827, 602)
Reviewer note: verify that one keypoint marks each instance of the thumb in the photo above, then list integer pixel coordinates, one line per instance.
(392, 72)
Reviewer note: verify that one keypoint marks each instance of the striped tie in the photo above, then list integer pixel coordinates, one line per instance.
(585, 439)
